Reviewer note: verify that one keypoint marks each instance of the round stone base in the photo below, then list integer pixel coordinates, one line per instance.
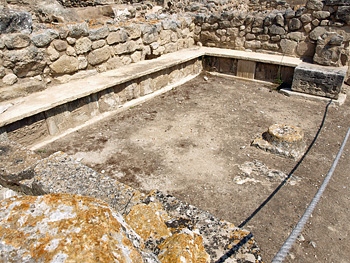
(282, 139)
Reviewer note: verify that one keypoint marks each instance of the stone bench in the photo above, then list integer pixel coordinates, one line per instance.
(42, 117)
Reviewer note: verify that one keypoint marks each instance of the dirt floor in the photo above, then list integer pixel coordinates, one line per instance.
(194, 142)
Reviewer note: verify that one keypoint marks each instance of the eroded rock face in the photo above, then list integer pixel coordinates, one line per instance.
(65, 228)
(13, 21)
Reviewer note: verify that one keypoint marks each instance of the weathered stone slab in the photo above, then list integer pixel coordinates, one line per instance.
(319, 80)
(66, 228)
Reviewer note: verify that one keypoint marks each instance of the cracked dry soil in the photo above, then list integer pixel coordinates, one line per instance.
(194, 143)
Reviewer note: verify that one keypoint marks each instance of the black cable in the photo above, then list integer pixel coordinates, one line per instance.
(235, 248)
(291, 173)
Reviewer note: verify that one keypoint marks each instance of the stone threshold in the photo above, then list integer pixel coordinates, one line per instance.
(57, 95)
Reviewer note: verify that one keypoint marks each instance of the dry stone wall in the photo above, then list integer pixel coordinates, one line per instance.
(67, 49)
(318, 31)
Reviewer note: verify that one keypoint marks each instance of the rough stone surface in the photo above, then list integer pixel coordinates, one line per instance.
(148, 221)
(282, 139)
(65, 65)
(98, 56)
(99, 33)
(329, 49)
(17, 163)
(25, 62)
(120, 36)
(317, 32)
(172, 249)
(60, 45)
(10, 79)
(44, 38)
(83, 45)
(343, 14)
(319, 80)
(61, 228)
(13, 21)
(49, 11)
(314, 5)
(78, 30)
(16, 41)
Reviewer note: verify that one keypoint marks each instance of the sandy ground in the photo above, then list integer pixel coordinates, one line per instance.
(194, 143)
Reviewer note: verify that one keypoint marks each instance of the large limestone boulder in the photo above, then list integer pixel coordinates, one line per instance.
(66, 228)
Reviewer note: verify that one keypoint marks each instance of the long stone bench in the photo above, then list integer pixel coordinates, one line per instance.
(41, 117)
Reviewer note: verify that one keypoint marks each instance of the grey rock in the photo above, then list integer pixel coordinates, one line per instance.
(276, 30)
(317, 32)
(306, 18)
(16, 41)
(60, 45)
(253, 45)
(169, 24)
(300, 11)
(150, 36)
(98, 44)
(83, 45)
(256, 30)
(279, 19)
(263, 37)
(78, 30)
(71, 40)
(249, 36)
(26, 62)
(258, 22)
(294, 24)
(134, 31)
(306, 49)
(318, 80)
(52, 53)
(296, 36)
(10, 79)
(127, 47)
(52, 12)
(337, 2)
(98, 56)
(314, 5)
(2, 72)
(99, 33)
(328, 55)
(275, 38)
(288, 46)
(13, 21)
(307, 28)
(343, 14)
(316, 22)
(44, 38)
(119, 36)
(65, 65)
(321, 14)
(270, 46)
(290, 13)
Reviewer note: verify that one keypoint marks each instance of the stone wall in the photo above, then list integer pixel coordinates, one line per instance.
(67, 49)
(318, 31)
(300, 32)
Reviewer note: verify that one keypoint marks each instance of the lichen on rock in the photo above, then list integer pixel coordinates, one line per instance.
(65, 228)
